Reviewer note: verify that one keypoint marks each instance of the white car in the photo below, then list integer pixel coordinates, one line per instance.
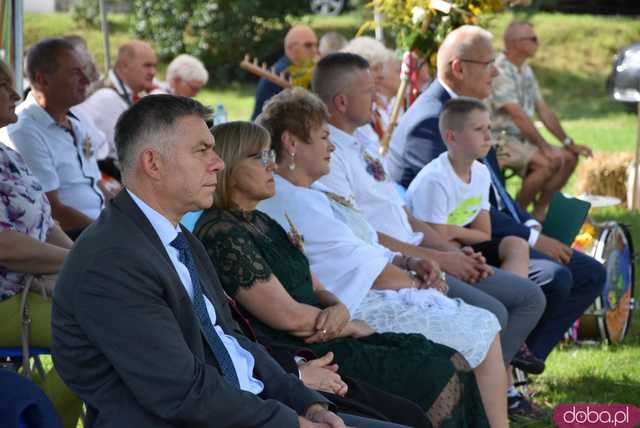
(327, 7)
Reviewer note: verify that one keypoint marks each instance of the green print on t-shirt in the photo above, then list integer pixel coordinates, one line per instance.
(463, 212)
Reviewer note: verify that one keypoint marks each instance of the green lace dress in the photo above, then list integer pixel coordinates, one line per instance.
(248, 247)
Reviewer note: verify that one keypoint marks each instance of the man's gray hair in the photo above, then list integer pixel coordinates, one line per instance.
(151, 123)
(188, 69)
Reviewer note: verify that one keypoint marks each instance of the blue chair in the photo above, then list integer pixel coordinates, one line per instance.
(24, 405)
(189, 220)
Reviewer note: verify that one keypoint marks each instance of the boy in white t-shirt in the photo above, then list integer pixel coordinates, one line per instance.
(452, 191)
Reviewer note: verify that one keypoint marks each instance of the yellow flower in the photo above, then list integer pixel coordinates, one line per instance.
(584, 240)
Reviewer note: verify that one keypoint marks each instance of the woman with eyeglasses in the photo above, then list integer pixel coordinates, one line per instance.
(264, 269)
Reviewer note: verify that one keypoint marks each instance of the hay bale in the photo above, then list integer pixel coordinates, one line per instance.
(604, 174)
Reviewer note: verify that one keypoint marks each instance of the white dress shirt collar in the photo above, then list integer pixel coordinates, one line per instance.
(242, 360)
(341, 137)
(38, 112)
(448, 89)
(166, 231)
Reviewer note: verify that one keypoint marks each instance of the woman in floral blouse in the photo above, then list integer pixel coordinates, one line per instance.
(31, 243)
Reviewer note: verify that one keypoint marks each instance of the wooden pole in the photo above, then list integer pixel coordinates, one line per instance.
(377, 16)
(393, 120)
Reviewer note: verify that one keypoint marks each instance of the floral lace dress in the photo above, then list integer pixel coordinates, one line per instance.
(23, 208)
(248, 248)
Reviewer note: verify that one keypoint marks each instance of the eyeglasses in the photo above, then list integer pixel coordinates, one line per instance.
(486, 64)
(310, 45)
(265, 157)
(533, 39)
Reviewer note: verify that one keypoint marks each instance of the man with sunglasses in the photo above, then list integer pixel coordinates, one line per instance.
(300, 49)
(515, 100)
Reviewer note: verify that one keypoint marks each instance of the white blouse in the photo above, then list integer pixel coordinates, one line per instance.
(344, 263)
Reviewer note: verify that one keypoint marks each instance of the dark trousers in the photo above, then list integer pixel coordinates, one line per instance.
(569, 290)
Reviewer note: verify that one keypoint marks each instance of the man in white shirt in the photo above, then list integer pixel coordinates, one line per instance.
(133, 74)
(344, 83)
(53, 142)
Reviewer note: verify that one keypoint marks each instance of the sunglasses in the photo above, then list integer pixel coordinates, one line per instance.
(533, 39)
(265, 157)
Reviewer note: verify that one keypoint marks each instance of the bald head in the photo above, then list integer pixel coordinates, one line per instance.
(466, 61)
(520, 42)
(461, 43)
(516, 30)
(136, 65)
(301, 44)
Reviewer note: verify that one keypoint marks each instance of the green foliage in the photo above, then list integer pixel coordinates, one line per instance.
(218, 32)
(86, 12)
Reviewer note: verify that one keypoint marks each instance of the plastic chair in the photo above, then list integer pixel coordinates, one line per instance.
(189, 220)
(14, 355)
(24, 405)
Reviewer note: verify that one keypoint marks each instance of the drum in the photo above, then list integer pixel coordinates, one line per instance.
(609, 318)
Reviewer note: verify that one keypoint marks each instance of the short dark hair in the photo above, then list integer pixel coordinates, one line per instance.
(42, 57)
(456, 111)
(330, 74)
(149, 122)
(295, 110)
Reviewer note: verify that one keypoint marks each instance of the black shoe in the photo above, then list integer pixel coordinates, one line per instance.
(527, 362)
(520, 407)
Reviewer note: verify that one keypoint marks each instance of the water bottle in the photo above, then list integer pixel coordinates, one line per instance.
(220, 115)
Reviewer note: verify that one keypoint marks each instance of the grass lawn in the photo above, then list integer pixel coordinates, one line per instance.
(572, 64)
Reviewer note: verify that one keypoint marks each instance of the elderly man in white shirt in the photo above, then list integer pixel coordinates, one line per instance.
(343, 81)
(53, 142)
(133, 73)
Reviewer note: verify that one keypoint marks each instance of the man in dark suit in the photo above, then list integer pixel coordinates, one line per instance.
(141, 328)
(569, 279)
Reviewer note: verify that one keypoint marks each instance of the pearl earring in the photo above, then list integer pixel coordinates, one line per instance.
(292, 165)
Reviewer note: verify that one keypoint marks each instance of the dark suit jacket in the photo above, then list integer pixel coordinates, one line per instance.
(419, 128)
(126, 340)
(267, 89)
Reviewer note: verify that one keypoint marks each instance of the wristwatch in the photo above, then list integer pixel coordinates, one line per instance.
(567, 142)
